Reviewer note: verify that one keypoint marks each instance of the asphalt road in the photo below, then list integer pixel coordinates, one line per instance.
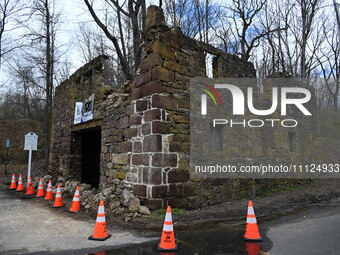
(29, 227)
(313, 231)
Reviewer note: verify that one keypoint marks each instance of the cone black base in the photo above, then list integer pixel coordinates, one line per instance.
(161, 249)
(99, 239)
(72, 211)
(58, 206)
(253, 240)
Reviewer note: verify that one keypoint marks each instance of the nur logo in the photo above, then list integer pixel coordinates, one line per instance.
(213, 95)
(239, 99)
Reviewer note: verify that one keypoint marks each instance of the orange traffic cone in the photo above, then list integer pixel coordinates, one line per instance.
(100, 253)
(100, 232)
(41, 191)
(30, 189)
(167, 242)
(21, 186)
(253, 248)
(58, 201)
(75, 205)
(49, 193)
(252, 231)
(13, 182)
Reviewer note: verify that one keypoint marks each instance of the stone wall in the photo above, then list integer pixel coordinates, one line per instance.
(88, 80)
(145, 126)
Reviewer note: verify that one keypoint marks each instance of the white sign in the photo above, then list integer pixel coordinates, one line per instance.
(84, 110)
(31, 142)
(77, 112)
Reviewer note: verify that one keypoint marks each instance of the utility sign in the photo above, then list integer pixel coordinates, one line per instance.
(31, 142)
(8, 143)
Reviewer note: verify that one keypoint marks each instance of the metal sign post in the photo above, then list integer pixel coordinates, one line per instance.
(8, 144)
(31, 144)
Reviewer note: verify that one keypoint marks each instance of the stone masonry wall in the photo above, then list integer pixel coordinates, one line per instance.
(88, 80)
(146, 137)
(145, 126)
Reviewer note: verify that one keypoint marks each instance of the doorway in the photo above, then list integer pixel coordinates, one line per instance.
(90, 156)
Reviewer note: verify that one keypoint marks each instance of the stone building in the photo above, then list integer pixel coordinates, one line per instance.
(139, 136)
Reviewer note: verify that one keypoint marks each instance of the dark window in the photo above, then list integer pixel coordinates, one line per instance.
(216, 137)
(292, 141)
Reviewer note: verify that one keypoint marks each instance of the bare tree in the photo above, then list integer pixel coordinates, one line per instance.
(9, 12)
(133, 15)
(244, 15)
(308, 10)
(195, 17)
(38, 61)
(329, 62)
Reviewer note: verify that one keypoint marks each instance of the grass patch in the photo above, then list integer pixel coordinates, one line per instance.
(297, 187)
(3, 186)
(175, 211)
(273, 191)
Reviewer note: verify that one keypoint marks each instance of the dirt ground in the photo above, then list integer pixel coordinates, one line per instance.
(274, 203)
(31, 225)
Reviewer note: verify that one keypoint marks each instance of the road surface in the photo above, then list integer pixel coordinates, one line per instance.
(314, 231)
(29, 227)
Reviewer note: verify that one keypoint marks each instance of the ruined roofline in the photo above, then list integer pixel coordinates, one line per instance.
(156, 26)
(85, 68)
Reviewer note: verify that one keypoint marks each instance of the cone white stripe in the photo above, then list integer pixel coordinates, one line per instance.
(58, 195)
(101, 210)
(251, 210)
(168, 217)
(77, 193)
(100, 219)
(76, 199)
(49, 187)
(251, 220)
(168, 228)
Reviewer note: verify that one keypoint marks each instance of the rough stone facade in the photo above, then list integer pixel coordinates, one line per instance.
(144, 126)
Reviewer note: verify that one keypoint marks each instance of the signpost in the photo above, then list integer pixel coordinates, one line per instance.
(31, 144)
(8, 144)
